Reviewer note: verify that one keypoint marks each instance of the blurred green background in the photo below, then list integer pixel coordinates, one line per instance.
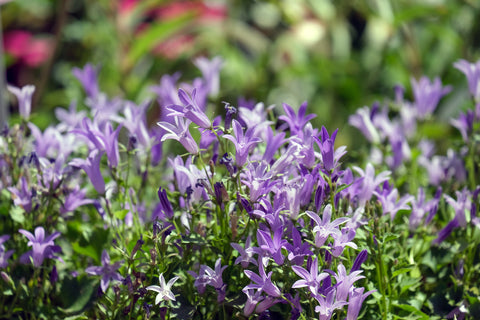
(337, 55)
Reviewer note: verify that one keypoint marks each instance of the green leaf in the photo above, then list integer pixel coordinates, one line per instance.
(17, 214)
(121, 214)
(77, 293)
(389, 237)
(413, 310)
(401, 271)
(154, 35)
(88, 251)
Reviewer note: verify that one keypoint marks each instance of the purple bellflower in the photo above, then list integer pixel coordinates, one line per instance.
(298, 250)
(263, 282)
(341, 240)
(74, 199)
(42, 245)
(355, 301)
(88, 78)
(164, 290)
(179, 131)
(324, 228)
(106, 270)
(4, 255)
(472, 72)
(246, 256)
(243, 142)
(269, 248)
(24, 97)
(208, 276)
(388, 198)
(328, 304)
(311, 278)
(91, 166)
(345, 281)
(22, 196)
(295, 121)
(189, 110)
(427, 95)
(364, 187)
(363, 121)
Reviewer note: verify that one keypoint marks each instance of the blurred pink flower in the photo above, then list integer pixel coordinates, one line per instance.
(27, 49)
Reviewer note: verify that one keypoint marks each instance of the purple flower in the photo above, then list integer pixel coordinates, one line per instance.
(4, 255)
(297, 250)
(246, 256)
(420, 208)
(164, 290)
(345, 281)
(361, 258)
(189, 110)
(91, 166)
(311, 278)
(327, 304)
(106, 270)
(22, 196)
(24, 97)
(208, 276)
(464, 124)
(263, 282)
(42, 246)
(74, 199)
(472, 72)
(270, 248)
(324, 228)
(364, 187)
(88, 78)
(461, 205)
(164, 208)
(243, 142)
(355, 301)
(179, 131)
(295, 121)
(341, 240)
(326, 145)
(390, 205)
(427, 95)
(363, 121)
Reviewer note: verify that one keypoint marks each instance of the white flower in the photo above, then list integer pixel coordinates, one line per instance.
(164, 292)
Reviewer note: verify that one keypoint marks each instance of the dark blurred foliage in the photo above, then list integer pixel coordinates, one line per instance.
(337, 55)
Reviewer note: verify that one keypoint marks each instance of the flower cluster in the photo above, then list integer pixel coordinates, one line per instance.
(254, 212)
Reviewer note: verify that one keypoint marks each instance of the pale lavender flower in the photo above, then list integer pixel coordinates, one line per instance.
(464, 124)
(164, 290)
(328, 304)
(388, 198)
(106, 270)
(263, 282)
(311, 278)
(472, 72)
(355, 301)
(208, 276)
(88, 78)
(364, 187)
(24, 96)
(91, 166)
(179, 131)
(74, 199)
(189, 109)
(269, 248)
(246, 256)
(461, 206)
(42, 245)
(295, 121)
(363, 121)
(324, 228)
(427, 95)
(342, 240)
(298, 250)
(345, 281)
(420, 208)
(22, 196)
(211, 73)
(243, 142)
(4, 255)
